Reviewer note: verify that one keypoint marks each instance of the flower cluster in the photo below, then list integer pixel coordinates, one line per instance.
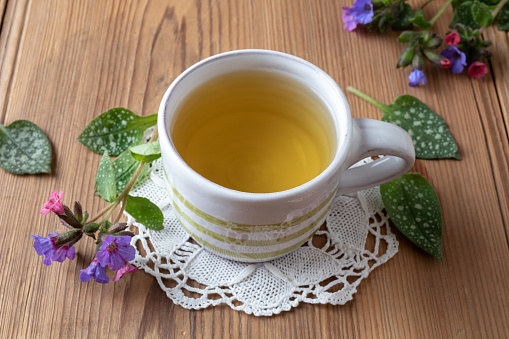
(114, 248)
(465, 46)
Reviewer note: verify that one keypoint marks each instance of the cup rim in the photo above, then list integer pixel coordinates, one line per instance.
(323, 178)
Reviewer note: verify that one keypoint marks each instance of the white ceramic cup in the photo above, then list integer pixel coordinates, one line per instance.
(253, 227)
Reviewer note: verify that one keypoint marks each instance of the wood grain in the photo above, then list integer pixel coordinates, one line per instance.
(64, 62)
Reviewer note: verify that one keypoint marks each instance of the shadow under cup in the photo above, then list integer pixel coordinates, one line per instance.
(249, 226)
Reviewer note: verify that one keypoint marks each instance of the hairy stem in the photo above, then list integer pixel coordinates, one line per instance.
(498, 8)
(432, 21)
(108, 210)
(367, 98)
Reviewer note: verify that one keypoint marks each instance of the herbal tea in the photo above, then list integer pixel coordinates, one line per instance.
(254, 131)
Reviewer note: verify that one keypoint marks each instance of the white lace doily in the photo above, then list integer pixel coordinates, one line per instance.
(326, 270)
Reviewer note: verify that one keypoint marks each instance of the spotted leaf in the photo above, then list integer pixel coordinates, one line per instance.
(105, 179)
(124, 167)
(429, 132)
(115, 131)
(414, 208)
(24, 149)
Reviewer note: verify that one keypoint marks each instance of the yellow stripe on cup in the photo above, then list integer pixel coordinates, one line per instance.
(245, 227)
(254, 256)
(278, 241)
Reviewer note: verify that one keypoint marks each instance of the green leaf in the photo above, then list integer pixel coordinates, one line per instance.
(124, 167)
(24, 149)
(115, 131)
(429, 132)
(481, 14)
(414, 208)
(404, 15)
(463, 15)
(419, 21)
(407, 37)
(502, 18)
(145, 212)
(105, 179)
(146, 152)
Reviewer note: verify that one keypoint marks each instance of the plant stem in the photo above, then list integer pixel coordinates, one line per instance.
(432, 21)
(101, 213)
(123, 195)
(498, 8)
(367, 98)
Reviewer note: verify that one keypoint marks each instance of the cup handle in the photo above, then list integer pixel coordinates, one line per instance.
(372, 138)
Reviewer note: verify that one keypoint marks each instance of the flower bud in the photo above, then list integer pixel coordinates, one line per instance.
(129, 233)
(406, 57)
(119, 226)
(418, 61)
(71, 236)
(434, 42)
(452, 38)
(78, 211)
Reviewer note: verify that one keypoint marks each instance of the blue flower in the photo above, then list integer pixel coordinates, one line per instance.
(360, 13)
(96, 271)
(457, 58)
(417, 76)
(115, 251)
(46, 247)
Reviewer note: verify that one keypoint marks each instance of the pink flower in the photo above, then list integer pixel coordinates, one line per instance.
(127, 268)
(445, 64)
(452, 38)
(54, 204)
(477, 70)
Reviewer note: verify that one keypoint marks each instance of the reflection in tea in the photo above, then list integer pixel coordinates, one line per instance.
(254, 131)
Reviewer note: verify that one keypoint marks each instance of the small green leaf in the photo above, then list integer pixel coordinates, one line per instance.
(406, 37)
(145, 212)
(115, 131)
(404, 15)
(146, 152)
(124, 167)
(419, 21)
(481, 14)
(502, 18)
(463, 15)
(429, 132)
(24, 149)
(414, 208)
(105, 179)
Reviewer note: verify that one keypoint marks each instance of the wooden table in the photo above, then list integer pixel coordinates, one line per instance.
(65, 62)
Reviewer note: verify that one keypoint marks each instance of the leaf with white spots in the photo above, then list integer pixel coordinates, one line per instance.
(124, 167)
(146, 152)
(24, 148)
(115, 131)
(430, 135)
(145, 212)
(105, 179)
(414, 208)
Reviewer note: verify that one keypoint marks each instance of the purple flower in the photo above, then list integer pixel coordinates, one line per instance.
(46, 247)
(96, 271)
(457, 57)
(417, 76)
(127, 268)
(360, 13)
(115, 251)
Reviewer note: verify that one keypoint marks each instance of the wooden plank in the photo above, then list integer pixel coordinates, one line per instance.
(13, 18)
(69, 61)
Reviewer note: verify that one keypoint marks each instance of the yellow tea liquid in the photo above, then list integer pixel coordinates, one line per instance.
(254, 131)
